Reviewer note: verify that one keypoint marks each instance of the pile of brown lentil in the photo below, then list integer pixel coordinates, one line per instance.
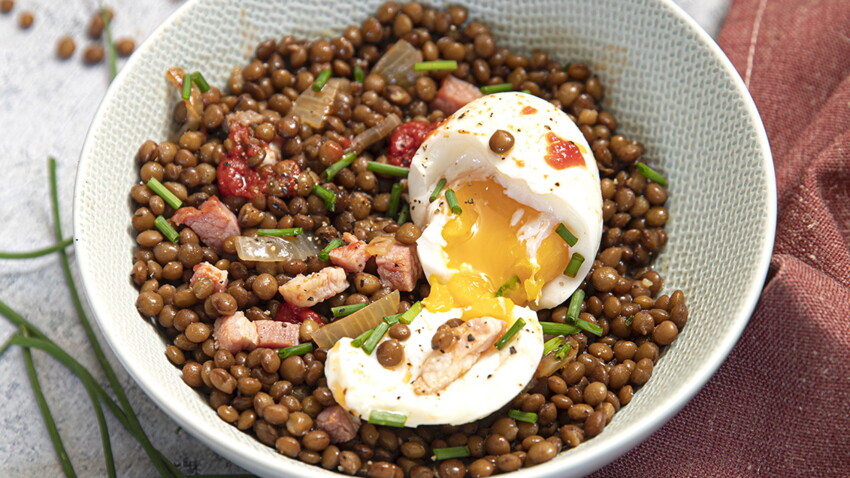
(277, 400)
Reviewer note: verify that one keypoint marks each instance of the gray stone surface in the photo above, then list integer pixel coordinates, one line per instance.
(45, 109)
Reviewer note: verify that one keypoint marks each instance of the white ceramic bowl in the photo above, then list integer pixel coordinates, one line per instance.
(669, 86)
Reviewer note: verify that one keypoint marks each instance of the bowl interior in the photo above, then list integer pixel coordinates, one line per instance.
(666, 82)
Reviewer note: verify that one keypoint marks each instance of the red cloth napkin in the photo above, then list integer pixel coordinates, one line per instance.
(780, 404)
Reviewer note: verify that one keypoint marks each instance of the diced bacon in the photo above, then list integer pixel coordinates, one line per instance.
(352, 257)
(235, 332)
(399, 268)
(213, 222)
(216, 275)
(453, 94)
(295, 315)
(340, 425)
(275, 335)
(307, 291)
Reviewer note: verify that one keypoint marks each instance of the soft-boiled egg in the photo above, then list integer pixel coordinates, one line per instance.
(511, 202)
(416, 388)
(527, 205)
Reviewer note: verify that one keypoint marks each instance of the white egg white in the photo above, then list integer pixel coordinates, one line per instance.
(360, 384)
(459, 149)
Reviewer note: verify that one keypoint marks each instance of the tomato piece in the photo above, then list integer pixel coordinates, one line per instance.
(295, 315)
(405, 140)
(236, 178)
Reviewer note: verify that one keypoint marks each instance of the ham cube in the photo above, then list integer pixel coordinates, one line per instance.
(307, 291)
(352, 257)
(340, 425)
(399, 267)
(275, 335)
(453, 94)
(235, 333)
(212, 222)
(216, 275)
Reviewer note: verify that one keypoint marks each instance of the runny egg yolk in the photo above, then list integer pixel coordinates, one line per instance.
(486, 250)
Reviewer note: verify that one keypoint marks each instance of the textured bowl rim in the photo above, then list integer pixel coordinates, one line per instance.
(614, 446)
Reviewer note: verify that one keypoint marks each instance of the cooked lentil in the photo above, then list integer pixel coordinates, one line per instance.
(278, 401)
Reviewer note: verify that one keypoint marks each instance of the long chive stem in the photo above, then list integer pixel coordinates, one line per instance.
(133, 421)
(324, 255)
(451, 198)
(343, 310)
(46, 415)
(574, 265)
(395, 198)
(499, 88)
(437, 190)
(288, 232)
(575, 305)
(388, 169)
(325, 195)
(160, 190)
(38, 252)
(650, 174)
(5, 346)
(199, 80)
(509, 335)
(435, 65)
(554, 328)
(110, 45)
(566, 235)
(323, 78)
(338, 166)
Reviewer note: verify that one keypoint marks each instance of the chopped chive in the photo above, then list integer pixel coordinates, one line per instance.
(566, 235)
(451, 452)
(388, 169)
(375, 337)
(165, 228)
(452, 200)
(389, 419)
(344, 310)
(567, 66)
(324, 255)
(589, 327)
(201, 82)
(299, 349)
(499, 88)
(650, 174)
(563, 351)
(359, 76)
(629, 320)
(552, 344)
(290, 231)
(575, 305)
(358, 342)
(395, 197)
(575, 263)
(392, 319)
(338, 166)
(435, 65)
(404, 215)
(437, 190)
(527, 92)
(528, 417)
(325, 195)
(160, 190)
(323, 78)
(507, 286)
(187, 86)
(411, 313)
(554, 328)
(509, 335)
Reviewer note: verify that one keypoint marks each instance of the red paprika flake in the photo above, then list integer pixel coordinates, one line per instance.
(405, 140)
(562, 154)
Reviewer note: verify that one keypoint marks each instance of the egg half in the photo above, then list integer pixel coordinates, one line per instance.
(512, 204)
(361, 385)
